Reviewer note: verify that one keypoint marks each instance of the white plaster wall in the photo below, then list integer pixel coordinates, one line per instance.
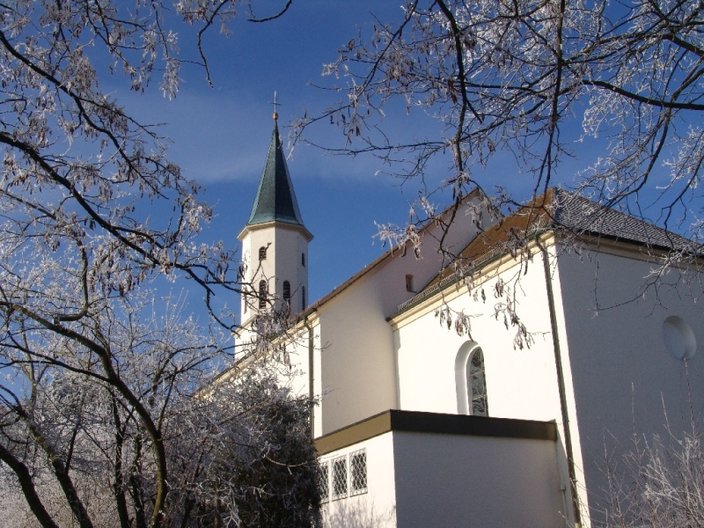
(625, 382)
(355, 371)
(293, 366)
(356, 358)
(377, 507)
(358, 366)
(452, 481)
(520, 383)
(251, 242)
(283, 262)
(288, 246)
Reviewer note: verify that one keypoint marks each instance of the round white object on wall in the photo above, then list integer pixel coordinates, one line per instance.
(679, 338)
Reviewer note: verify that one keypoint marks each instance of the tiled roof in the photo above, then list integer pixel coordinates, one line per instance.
(581, 215)
(560, 211)
(275, 200)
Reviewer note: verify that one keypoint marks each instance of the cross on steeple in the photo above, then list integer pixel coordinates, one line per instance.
(276, 106)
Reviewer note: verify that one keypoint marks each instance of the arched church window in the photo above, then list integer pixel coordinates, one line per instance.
(476, 384)
(287, 291)
(262, 293)
(470, 381)
(262, 253)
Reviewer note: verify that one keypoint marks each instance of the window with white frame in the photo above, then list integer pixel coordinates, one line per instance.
(343, 476)
(358, 472)
(339, 477)
(324, 483)
(470, 379)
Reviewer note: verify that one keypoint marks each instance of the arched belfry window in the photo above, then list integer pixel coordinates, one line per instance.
(262, 253)
(262, 294)
(287, 291)
(470, 380)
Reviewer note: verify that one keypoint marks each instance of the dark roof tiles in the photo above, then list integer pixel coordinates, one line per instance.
(275, 200)
(581, 215)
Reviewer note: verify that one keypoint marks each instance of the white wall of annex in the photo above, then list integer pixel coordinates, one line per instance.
(625, 381)
(521, 383)
(377, 507)
(453, 480)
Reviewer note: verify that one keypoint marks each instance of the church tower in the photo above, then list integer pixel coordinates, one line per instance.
(274, 243)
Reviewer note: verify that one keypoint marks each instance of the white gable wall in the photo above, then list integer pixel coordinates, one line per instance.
(520, 383)
(625, 381)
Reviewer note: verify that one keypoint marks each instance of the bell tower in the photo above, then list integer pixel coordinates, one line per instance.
(274, 243)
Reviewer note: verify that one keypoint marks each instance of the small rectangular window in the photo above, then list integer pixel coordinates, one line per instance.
(358, 472)
(339, 477)
(409, 283)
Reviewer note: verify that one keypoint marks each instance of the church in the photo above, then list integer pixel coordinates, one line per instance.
(474, 377)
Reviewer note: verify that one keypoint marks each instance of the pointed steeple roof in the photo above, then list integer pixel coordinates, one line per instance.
(275, 200)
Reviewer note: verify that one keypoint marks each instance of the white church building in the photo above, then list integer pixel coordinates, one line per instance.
(478, 378)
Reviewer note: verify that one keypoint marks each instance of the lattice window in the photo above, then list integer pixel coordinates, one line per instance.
(339, 477)
(358, 472)
(324, 482)
(262, 253)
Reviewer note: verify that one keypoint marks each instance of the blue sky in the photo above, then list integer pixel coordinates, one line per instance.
(219, 135)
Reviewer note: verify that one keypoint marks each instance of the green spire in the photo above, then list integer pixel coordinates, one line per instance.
(275, 200)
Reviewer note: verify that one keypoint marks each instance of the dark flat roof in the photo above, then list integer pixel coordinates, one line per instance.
(434, 423)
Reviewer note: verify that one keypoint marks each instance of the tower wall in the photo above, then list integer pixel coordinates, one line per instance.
(286, 259)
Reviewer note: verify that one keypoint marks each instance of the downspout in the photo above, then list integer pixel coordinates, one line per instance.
(311, 378)
(561, 386)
